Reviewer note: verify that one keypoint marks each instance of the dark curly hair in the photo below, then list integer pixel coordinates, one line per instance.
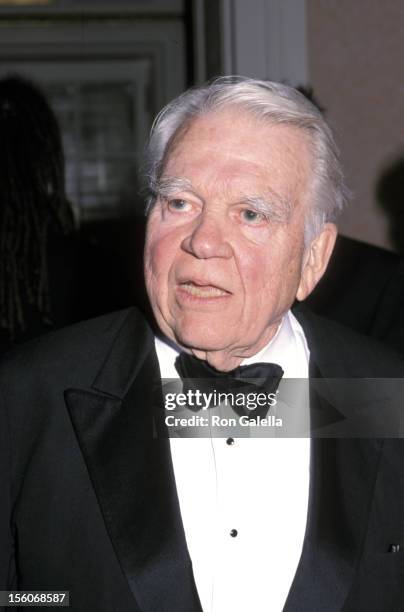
(32, 199)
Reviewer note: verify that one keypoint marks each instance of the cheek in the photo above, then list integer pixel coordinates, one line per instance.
(161, 252)
(270, 275)
(157, 260)
(256, 273)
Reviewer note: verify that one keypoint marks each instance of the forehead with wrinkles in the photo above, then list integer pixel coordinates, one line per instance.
(241, 156)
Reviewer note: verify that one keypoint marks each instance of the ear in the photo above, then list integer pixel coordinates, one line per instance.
(316, 259)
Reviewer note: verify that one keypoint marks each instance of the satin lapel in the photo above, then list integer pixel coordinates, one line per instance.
(342, 478)
(131, 471)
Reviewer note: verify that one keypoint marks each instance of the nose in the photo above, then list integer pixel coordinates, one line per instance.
(208, 239)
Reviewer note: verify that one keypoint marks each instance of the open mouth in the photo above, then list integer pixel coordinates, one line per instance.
(202, 291)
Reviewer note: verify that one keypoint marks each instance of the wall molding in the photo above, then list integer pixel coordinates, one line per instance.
(265, 39)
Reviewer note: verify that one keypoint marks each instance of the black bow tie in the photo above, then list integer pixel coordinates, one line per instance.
(255, 378)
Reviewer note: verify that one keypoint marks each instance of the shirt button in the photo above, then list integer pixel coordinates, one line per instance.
(230, 441)
(233, 533)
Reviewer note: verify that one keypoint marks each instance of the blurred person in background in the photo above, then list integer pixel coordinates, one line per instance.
(36, 220)
(363, 287)
(50, 273)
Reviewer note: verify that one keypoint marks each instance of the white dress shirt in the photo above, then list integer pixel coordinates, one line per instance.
(244, 504)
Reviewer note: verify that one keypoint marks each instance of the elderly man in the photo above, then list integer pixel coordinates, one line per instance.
(245, 186)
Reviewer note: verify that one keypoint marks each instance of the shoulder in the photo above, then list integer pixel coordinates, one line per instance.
(344, 352)
(74, 353)
(363, 288)
(35, 377)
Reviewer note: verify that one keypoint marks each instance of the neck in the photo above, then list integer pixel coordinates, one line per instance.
(229, 359)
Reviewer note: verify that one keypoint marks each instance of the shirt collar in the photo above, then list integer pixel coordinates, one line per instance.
(288, 348)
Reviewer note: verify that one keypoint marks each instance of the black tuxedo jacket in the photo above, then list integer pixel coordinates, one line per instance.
(88, 498)
(363, 288)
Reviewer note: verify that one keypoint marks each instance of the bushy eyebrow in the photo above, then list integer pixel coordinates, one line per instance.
(274, 208)
(167, 186)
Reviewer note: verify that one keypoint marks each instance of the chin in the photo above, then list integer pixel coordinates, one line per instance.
(199, 339)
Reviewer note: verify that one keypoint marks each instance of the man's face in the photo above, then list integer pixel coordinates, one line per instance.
(225, 238)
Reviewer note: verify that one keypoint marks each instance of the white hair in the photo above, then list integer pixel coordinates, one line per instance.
(269, 101)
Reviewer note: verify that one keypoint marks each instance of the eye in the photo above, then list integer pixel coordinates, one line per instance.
(178, 205)
(252, 217)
